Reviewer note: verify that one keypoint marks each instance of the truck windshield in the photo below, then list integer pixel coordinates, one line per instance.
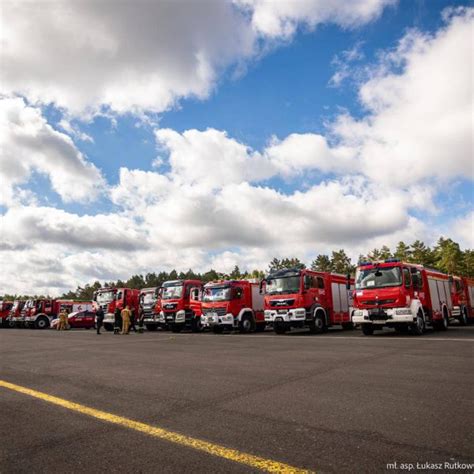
(172, 291)
(216, 293)
(148, 298)
(15, 305)
(104, 297)
(283, 285)
(378, 278)
(30, 304)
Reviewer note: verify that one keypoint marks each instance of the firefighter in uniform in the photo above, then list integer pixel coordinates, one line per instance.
(125, 320)
(62, 320)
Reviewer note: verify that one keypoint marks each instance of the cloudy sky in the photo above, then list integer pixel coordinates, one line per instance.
(156, 135)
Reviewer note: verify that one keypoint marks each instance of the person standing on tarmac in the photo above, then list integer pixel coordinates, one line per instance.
(117, 321)
(132, 320)
(62, 320)
(99, 318)
(125, 320)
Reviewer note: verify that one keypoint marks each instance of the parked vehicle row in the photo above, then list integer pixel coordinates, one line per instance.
(404, 296)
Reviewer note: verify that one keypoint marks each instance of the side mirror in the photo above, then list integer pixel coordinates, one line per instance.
(450, 279)
(413, 270)
(348, 281)
(261, 286)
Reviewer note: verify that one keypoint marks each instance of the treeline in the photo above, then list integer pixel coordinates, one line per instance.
(446, 256)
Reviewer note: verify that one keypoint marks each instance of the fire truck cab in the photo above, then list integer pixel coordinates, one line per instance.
(463, 297)
(402, 296)
(233, 304)
(111, 298)
(297, 298)
(180, 305)
(150, 307)
(5, 308)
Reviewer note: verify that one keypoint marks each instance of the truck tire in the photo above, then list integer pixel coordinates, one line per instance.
(176, 328)
(151, 327)
(318, 324)
(463, 317)
(247, 324)
(443, 324)
(280, 328)
(109, 327)
(367, 329)
(42, 323)
(7, 323)
(418, 327)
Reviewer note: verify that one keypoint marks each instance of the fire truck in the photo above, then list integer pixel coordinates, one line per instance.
(232, 304)
(111, 298)
(150, 306)
(38, 313)
(5, 308)
(15, 313)
(401, 295)
(181, 305)
(297, 298)
(462, 294)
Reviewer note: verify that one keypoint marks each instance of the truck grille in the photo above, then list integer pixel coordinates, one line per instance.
(277, 303)
(377, 302)
(218, 311)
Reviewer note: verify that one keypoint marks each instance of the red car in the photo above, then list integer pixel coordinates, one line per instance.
(79, 319)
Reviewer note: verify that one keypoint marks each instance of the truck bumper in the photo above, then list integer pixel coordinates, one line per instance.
(285, 315)
(109, 318)
(212, 319)
(383, 317)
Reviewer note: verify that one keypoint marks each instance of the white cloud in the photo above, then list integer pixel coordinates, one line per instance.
(131, 56)
(419, 125)
(280, 19)
(28, 143)
(145, 55)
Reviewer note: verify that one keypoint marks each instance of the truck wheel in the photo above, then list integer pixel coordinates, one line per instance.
(347, 326)
(443, 324)
(247, 324)
(418, 327)
(176, 328)
(463, 318)
(109, 327)
(318, 324)
(151, 327)
(280, 328)
(367, 329)
(7, 323)
(42, 323)
(217, 329)
(260, 327)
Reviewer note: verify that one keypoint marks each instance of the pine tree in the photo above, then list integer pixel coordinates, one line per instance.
(322, 263)
(402, 252)
(341, 263)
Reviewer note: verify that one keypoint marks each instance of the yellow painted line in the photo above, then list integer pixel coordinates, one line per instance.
(257, 462)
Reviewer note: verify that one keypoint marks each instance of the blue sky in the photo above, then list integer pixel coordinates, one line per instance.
(278, 123)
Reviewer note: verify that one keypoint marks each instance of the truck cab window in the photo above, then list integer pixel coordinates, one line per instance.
(321, 283)
(238, 293)
(407, 277)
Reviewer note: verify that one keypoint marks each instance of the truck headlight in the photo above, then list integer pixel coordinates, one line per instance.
(358, 312)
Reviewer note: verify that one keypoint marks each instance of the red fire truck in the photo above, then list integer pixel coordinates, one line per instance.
(305, 298)
(111, 298)
(38, 313)
(150, 306)
(401, 295)
(5, 308)
(180, 305)
(462, 294)
(232, 304)
(15, 313)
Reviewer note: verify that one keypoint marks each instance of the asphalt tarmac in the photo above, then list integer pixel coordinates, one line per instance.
(337, 402)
